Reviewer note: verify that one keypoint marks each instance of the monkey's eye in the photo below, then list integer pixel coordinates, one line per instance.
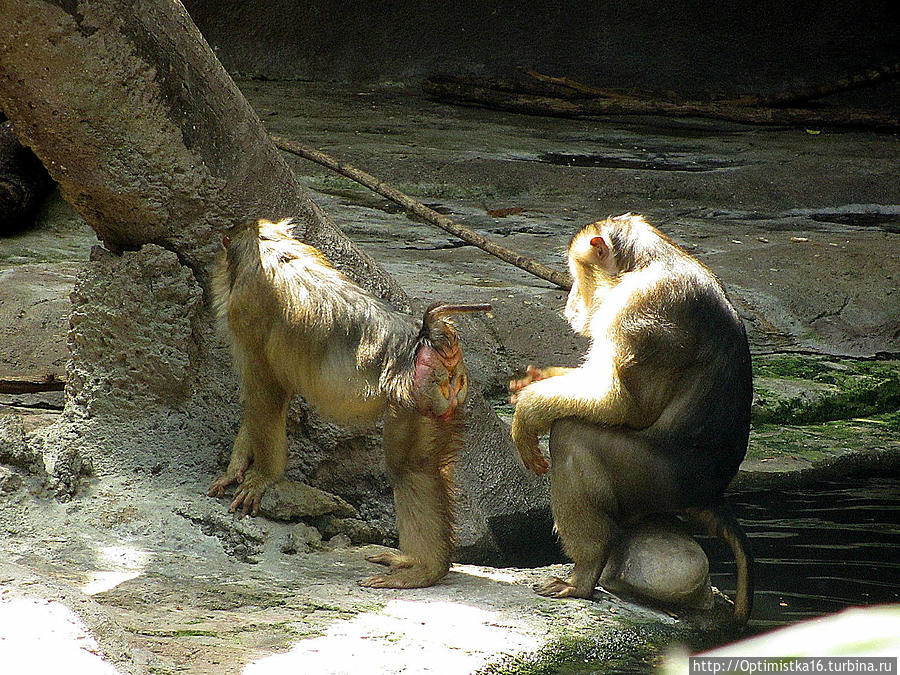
(225, 241)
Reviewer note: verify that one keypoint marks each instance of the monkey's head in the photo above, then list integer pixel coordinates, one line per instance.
(592, 264)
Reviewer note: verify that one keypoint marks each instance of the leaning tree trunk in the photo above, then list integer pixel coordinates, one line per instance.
(152, 142)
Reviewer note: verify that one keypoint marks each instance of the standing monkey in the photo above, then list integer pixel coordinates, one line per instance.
(297, 325)
(657, 417)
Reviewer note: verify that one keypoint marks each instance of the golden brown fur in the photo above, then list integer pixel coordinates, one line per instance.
(657, 417)
(297, 325)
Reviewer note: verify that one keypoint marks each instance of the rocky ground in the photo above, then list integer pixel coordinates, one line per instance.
(801, 226)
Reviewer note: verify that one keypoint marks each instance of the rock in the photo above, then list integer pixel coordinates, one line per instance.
(339, 541)
(23, 182)
(13, 448)
(34, 319)
(303, 538)
(241, 538)
(10, 481)
(659, 560)
(355, 530)
(132, 331)
(289, 500)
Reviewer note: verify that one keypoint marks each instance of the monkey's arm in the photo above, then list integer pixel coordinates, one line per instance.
(591, 395)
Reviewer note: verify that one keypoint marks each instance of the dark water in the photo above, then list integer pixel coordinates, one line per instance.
(818, 550)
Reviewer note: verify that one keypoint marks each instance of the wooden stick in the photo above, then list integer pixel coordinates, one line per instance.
(457, 92)
(419, 209)
(858, 81)
(576, 86)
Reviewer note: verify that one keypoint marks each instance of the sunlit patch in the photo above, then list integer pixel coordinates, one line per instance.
(406, 636)
(486, 573)
(123, 563)
(48, 637)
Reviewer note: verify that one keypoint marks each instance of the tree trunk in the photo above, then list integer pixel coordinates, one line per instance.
(147, 135)
(152, 142)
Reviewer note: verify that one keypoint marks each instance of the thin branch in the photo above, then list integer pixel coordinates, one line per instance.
(579, 87)
(457, 91)
(782, 98)
(411, 205)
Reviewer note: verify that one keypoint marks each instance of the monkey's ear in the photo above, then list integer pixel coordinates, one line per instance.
(601, 248)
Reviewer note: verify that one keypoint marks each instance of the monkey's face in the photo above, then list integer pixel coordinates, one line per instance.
(592, 266)
(440, 384)
(576, 311)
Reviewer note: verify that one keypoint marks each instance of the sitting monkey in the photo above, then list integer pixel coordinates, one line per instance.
(657, 417)
(297, 325)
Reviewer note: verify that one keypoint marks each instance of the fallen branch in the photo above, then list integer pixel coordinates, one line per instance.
(26, 385)
(455, 90)
(411, 205)
(585, 90)
(858, 81)
(573, 89)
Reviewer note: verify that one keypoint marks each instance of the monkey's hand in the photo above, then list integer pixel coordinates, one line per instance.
(527, 444)
(532, 374)
(250, 492)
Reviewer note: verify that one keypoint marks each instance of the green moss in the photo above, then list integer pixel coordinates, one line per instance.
(195, 633)
(815, 442)
(633, 649)
(839, 389)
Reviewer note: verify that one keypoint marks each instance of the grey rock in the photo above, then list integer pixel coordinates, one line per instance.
(356, 530)
(303, 538)
(658, 560)
(288, 500)
(10, 481)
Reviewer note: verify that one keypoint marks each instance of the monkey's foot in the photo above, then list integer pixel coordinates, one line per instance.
(250, 492)
(555, 587)
(415, 576)
(217, 489)
(391, 559)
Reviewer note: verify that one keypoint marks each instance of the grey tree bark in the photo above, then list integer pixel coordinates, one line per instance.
(152, 142)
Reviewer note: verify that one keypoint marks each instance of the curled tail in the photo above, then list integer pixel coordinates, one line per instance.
(719, 522)
(440, 333)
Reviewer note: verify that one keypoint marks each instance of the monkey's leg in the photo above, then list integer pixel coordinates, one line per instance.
(581, 498)
(418, 462)
(585, 534)
(262, 438)
(241, 456)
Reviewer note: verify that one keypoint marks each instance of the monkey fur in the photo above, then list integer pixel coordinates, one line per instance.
(297, 325)
(657, 417)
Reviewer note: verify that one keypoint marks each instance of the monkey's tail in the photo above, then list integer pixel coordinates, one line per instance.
(718, 521)
(438, 311)
(434, 329)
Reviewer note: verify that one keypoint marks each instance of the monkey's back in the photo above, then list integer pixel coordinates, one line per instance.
(698, 370)
(320, 334)
(713, 426)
